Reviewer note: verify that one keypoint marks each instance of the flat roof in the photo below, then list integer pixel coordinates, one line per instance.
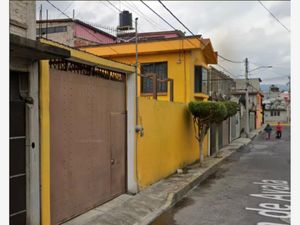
(79, 22)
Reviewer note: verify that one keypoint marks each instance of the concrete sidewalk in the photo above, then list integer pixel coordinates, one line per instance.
(144, 207)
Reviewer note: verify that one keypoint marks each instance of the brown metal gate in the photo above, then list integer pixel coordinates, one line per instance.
(88, 142)
(17, 151)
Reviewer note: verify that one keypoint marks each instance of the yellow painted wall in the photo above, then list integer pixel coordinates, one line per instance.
(169, 140)
(44, 92)
(258, 111)
(180, 68)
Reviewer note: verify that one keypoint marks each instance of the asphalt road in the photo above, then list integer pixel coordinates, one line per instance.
(225, 198)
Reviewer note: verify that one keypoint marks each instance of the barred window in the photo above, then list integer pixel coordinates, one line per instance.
(161, 69)
(51, 30)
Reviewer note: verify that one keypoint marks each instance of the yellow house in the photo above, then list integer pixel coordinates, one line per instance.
(167, 141)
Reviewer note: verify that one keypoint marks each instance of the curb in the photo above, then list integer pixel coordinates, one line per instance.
(175, 197)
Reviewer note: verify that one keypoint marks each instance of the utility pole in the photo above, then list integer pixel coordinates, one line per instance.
(136, 69)
(247, 96)
(138, 128)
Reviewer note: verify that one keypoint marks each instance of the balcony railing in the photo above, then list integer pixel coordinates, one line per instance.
(154, 77)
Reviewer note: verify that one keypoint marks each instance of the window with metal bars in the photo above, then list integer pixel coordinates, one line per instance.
(161, 69)
(51, 30)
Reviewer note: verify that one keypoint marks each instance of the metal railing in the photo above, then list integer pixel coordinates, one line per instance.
(153, 77)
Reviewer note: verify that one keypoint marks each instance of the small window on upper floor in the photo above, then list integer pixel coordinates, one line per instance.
(201, 78)
(161, 69)
(51, 30)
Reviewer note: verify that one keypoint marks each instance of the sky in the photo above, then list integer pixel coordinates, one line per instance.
(237, 29)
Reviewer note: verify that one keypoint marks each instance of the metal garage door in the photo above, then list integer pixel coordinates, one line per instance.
(88, 142)
(17, 152)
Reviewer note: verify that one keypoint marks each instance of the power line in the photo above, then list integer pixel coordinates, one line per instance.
(83, 26)
(158, 15)
(143, 16)
(153, 21)
(176, 17)
(227, 70)
(274, 16)
(66, 7)
(114, 6)
(233, 61)
(229, 60)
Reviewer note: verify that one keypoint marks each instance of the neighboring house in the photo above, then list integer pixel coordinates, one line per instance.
(168, 141)
(24, 114)
(276, 105)
(221, 84)
(255, 102)
(72, 32)
(275, 115)
(274, 91)
(220, 87)
(149, 35)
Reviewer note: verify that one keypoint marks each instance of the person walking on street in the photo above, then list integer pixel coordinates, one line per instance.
(279, 129)
(268, 130)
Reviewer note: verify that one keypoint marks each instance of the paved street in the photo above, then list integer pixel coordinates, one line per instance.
(225, 198)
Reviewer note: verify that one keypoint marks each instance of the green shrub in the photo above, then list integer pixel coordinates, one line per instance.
(232, 108)
(221, 113)
(213, 112)
(202, 109)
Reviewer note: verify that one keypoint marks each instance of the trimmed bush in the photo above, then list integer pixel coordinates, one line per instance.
(214, 112)
(232, 108)
(221, 113)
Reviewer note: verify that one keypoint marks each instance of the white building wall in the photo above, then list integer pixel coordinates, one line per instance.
(22, 18)
(283, 117)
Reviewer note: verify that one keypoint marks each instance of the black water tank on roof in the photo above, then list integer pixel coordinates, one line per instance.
(125, 19)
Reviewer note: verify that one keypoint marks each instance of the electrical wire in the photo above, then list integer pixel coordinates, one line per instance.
(146, 16)
(66, 8)
(143, 16)
(175, 17)
(83, 26)
(158, 15)
(229, 60)
(274, 16)
(227, 70)
(114, 6)
(233, 61)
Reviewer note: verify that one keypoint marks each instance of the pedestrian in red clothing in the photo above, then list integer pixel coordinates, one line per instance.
(279, 129)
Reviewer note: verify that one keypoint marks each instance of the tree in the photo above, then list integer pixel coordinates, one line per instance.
(206, 113)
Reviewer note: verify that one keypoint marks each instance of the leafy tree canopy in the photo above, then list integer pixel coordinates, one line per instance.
(213, 112)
